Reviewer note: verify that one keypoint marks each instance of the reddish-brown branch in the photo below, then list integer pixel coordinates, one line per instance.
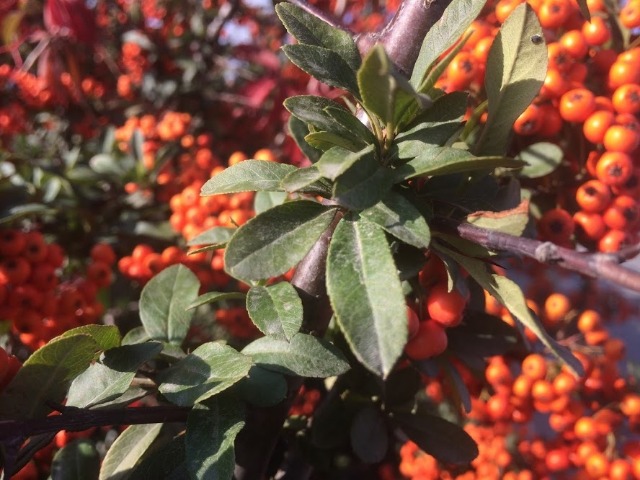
(596, 265)
(402, 36)
(14, 432)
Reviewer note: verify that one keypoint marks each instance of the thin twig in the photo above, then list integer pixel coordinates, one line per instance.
(597, 265)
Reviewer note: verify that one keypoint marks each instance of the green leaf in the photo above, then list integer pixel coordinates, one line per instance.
(516, 68)
(263, 201)
(400, 218)
(298, 131)
(273, 242)
(508, 293)
(446, 160)
(262, 387)
(106, 164)
(166, 462)
(483, 335)
(305, 356)
(513, 221)
(443, 34)
(248, 176)
(106, 336)
(364, 184)
(164, 302)
(208, 370)
(446, 441)
(307, 180)
(127, 450)
(212, 297)
(313, 110)
(77, 460)
(541, 159)
(325, 65)
(384, 91)
(214, 236)
(310, 30)
(366, 295)
(46, 375)
(275, 310)
(429, 84)
(325, 140)
(211, 432)
(369, 436)
(14, 213)
(135, 336)
(351, 123)
(337, 160)
(108, 380)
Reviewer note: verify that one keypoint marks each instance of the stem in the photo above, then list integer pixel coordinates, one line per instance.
(596, 265)
(256, 441)
(402, 37)
(14, 432)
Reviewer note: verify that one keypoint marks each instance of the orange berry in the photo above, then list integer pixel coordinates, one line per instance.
(445, 307)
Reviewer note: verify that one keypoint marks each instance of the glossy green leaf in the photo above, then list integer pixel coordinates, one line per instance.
(513, 221)
(446, 441)
(248, 176)
(366, 295)
(483, 335)
(263, 201)
(209, 442)
(311, 30)
(305, 355)
(313, 110)
(208, 370)
(107, 380)
(106, 336)
(14, 213)
(135, 336)
(46, 375)
(541, 159)
(273, 242)
(509, 294)
(167, 462)
(351, 123)
(276, 309)
(384, 91)
(400, 218)
(308, 180)
(445, 32)
(516, 68)
(212, 297)
(127, 450)
(446, 160)
(364, 184)
(298, 131)
(164, 302)
(337, 160)
(325, 140)
(369, 435)
(428, 86)
(262, 387)
(77, 460)
(215, 235)
(325, 65)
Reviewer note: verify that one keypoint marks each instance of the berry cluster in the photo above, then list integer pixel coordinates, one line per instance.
(441, 309)
(590, 96)
(36, 302)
